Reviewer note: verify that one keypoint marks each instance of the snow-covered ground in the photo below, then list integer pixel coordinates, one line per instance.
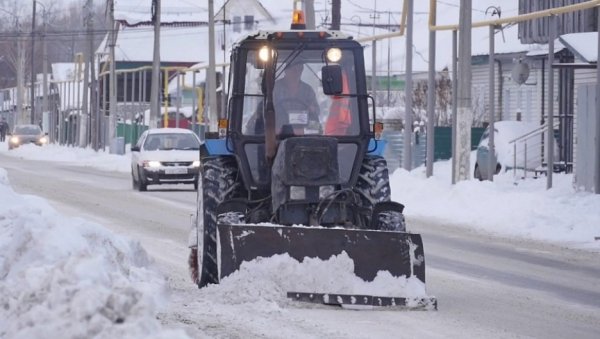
(68, 277)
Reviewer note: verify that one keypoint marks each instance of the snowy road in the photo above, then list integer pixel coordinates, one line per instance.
(486, 286)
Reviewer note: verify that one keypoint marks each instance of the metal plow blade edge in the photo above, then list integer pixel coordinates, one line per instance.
(354, 300)
(401, 254)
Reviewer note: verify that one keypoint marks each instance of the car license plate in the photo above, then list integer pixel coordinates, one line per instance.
(176, 170)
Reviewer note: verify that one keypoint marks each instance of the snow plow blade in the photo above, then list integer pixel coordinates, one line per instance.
(401, 254)
(349, 300)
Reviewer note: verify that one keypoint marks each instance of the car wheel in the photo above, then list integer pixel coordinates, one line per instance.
(477, 173)
(498, 168)
(142, 186)
(196, 184)
(134, 183)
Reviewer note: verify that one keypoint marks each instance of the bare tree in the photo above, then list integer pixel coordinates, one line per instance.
(64, 34)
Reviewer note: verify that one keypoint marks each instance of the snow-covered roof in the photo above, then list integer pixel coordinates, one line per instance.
(135, 11)
(539, 50)
(583, 45)
(240, 8)
(177, 44)
(64, 71)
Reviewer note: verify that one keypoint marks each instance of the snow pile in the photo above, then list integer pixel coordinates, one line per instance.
(85, 157)
(508, 207)
(63, 277)
(273, 277)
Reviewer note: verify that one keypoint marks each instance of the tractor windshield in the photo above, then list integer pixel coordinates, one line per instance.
(301, 106)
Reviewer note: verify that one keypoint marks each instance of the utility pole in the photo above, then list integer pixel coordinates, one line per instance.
(464, 111)
(491, 87)
(389, 57)
(20, 76)
(32, 116)
(45, 79)
(310, 14)
(211, 72)
(112, 85)
(83, 122)
(336, 14)
(408, 92)
(550, 134)
(93, 90)
(597, 140)
(155, 84)
(431, 89)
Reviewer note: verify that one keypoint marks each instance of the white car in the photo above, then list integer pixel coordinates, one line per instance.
(165, 156)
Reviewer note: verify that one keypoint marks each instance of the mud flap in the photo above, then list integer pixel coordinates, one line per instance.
(399, 253)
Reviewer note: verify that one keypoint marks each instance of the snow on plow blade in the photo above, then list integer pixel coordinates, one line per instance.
(401, 254)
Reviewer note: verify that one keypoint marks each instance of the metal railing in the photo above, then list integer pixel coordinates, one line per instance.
(527, 141)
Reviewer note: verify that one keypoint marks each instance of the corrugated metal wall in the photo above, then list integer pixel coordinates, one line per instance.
(511, 97)
(536, 31)
(583, 77)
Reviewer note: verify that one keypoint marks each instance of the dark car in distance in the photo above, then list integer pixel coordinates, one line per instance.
(26, 134)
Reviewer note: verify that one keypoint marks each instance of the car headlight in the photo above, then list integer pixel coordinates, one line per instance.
(196, 163)
(14, 140)
(43, 140)
(152, 163)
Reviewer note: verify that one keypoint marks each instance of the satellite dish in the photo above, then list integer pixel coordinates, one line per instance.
(520, 73)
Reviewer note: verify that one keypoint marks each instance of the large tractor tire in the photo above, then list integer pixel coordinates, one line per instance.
(373, 186)
(219, 181)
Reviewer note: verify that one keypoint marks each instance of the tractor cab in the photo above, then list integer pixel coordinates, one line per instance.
(297, 84)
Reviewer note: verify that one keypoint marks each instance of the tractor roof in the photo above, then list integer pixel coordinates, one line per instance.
(306, 35)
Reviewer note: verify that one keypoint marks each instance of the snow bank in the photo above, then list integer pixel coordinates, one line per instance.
(84, 157)
(64, 277)
(507, 206)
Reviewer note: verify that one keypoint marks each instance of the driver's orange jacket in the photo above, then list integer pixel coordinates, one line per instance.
(340, 116)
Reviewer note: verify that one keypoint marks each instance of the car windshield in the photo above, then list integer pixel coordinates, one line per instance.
(171, 141)
(28, 130)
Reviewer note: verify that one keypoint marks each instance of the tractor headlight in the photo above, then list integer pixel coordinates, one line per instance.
(152, 163)
(334, 54)
(264, 54)
(325, 191)
(297, 193)
(14, 140)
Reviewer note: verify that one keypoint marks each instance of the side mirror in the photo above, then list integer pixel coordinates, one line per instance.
(135, 149)
(332, 79)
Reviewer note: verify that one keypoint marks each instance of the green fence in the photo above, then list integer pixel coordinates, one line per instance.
(131, 132)
(443, 141)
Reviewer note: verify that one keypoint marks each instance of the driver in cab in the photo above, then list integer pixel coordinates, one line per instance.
(295, 102)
